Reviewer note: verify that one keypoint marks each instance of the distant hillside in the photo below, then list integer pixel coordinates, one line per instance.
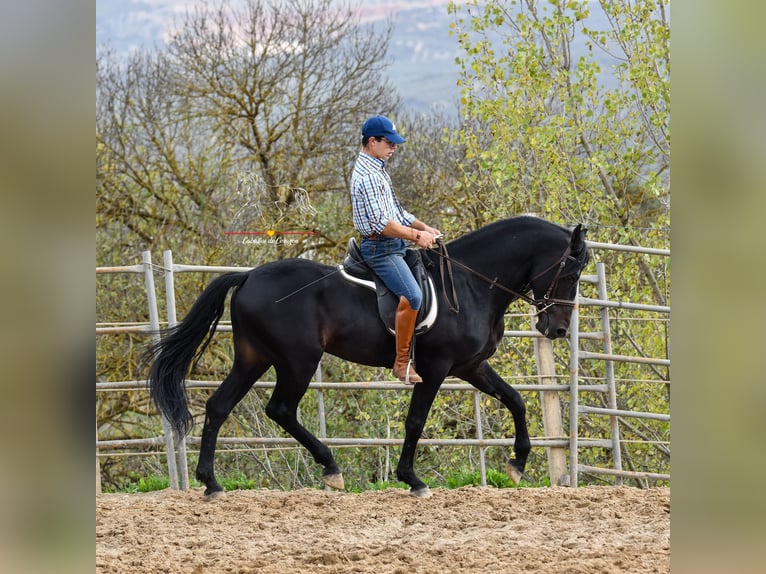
(423, 59)
(422, 53)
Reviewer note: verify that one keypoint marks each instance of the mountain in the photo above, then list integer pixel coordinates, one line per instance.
(422, 52)
(423, 59)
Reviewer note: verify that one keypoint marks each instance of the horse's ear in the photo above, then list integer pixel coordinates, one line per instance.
(578, 239)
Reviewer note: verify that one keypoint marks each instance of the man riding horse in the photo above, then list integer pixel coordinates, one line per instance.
(385, 226)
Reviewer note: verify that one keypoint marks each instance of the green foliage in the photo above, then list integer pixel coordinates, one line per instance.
(573, 141)
(136, 483)
(546, 134)
(238, 482)
(495, 478)
(150, 483)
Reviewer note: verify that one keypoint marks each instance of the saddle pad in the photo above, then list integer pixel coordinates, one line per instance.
(357, 272)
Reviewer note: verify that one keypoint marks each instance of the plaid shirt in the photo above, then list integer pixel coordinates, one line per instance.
(373, 201)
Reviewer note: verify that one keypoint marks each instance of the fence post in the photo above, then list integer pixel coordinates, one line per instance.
(574, 389)
(551, 408)
(98, 465)
(609, 365)
(480, 437)
(170, 300)
(320, 403)
(154, 325)
(320, 409)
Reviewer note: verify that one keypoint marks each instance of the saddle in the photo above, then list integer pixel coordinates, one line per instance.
(355, 270)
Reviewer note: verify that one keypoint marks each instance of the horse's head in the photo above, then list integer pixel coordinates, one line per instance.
(554, 286)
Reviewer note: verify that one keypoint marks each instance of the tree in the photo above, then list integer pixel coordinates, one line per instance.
(157, 166)
(425, 171)
(566, 113)
(247, 121)
(288, 84)
(560, 136)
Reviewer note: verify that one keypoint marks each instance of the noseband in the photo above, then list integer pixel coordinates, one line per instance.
(542, 305)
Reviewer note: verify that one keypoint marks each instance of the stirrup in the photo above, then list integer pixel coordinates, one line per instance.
(407, 373)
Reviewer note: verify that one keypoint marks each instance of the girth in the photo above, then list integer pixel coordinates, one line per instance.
(355, 270)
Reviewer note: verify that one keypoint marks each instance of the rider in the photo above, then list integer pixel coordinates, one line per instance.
(384, 226)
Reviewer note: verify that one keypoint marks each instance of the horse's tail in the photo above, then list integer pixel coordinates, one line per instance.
(183, 343)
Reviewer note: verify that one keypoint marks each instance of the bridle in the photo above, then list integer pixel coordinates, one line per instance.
(541, 304)
(546, 302)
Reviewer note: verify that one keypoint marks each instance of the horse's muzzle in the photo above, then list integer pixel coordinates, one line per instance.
(552, 328)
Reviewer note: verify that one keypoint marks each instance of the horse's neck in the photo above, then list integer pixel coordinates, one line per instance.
(504, 254)
(482, 270)
(504, 261)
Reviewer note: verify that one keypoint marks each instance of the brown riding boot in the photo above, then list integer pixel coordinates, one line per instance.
(406, 317)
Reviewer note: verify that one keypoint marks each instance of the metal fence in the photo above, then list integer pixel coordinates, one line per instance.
(555, 440)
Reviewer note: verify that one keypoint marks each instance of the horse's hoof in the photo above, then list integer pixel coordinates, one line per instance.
(514, 473)
(334, 481)
(213, 494)
(424, 492)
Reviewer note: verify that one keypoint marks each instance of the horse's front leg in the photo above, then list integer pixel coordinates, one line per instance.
(484, 378)
(423, 395)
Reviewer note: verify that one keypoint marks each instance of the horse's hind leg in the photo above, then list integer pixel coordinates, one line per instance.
(292, 383)
(234, 387)
(484, 378)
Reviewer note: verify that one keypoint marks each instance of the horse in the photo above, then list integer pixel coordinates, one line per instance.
(288, 313)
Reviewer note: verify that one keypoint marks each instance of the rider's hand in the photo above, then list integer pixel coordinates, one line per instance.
(425, 238)
(433, 231)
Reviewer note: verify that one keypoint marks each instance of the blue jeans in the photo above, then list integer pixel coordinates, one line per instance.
(386, 258)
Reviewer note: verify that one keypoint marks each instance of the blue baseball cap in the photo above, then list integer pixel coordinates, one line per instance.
(381, 126)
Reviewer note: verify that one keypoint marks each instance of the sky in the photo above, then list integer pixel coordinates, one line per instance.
(133, 22)
(421, 53)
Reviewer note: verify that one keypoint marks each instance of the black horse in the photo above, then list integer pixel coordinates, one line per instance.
(289, 312)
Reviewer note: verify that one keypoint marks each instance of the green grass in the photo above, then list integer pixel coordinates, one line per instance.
(494, 478)
(144, 484)
(150, 483)
(239, 481)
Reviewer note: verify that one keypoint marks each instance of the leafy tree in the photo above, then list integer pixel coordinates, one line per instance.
(425, 170)
(287, 85)
(157, 165)
(577, 138)
(564, 137)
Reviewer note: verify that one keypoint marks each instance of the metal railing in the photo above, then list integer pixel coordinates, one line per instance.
(554, 440)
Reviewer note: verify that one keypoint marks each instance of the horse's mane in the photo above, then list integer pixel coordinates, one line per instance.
(504, 227)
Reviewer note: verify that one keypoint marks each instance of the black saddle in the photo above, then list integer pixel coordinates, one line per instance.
(355, 270)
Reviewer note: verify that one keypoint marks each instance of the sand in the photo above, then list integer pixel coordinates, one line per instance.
(471, 529)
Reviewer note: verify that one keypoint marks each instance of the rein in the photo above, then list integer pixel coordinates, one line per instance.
(542, 305)
(454, 306)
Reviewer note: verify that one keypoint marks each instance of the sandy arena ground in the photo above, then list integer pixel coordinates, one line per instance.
(468, 530)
